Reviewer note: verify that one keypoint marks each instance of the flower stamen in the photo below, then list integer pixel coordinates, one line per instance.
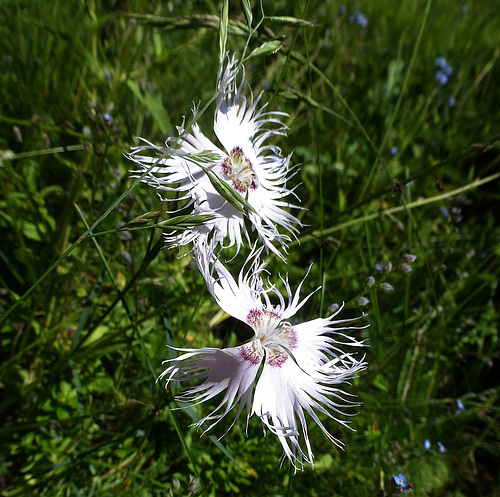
(237, 168)
(274, 337)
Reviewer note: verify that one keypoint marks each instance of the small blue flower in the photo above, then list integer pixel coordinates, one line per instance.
(400, 480)
(394, 150)
(441, 447)
(342, 10)
(452, 102)
(359, 18)
(460, 406)
(465, 10)
(427, 444)
(441, 78)
(442, 63)
(445, 70)
(378, 267)
(444, 211)
(106, 117)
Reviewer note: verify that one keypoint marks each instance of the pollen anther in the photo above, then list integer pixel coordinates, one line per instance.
(237, 168)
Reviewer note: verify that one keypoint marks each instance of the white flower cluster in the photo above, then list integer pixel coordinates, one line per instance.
(286, 370)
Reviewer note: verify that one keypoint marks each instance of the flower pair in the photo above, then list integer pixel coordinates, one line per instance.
(287, 369)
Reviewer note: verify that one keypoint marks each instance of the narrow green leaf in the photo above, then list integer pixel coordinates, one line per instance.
(194, 416)
(154, 105)
(293, 94)
(89, 302)
(78, 386)
(223, 32)
(247, 11)
(12, 267)
(168, 329)
(269, 47)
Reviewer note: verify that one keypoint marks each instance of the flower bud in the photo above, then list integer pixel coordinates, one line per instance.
(333, 308)
(405, 268)
(409, 257)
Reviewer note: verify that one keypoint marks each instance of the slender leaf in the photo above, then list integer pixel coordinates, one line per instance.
(224, 20)
(247, 11)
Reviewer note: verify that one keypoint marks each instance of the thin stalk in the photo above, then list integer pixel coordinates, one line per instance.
(417, 203)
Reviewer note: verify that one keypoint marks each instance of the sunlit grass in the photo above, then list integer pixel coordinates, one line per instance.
(393, 164)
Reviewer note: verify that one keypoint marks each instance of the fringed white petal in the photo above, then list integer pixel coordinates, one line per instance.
(222, 371)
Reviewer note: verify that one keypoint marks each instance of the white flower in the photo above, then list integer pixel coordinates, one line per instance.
(256, 171)
(303, 364)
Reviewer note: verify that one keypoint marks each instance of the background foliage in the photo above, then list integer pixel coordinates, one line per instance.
(394, 162)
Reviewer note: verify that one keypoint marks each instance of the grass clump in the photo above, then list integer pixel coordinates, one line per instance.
(397, 167)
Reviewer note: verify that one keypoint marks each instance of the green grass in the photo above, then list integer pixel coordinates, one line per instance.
(86, 319)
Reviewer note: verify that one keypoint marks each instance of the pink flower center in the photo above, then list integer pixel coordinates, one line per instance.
(273, 338)
(238, 169)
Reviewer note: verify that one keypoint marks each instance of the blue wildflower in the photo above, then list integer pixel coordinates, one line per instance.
(427, 444)
(442, 63)
(444, 211)
(452, 102)
(106, 117)
(445, 70)
(400, 480)
(441, 78)
(342, 10)
(378, 267)
(441, 447)
(460, 406)
(359, 18)
(394, 150)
